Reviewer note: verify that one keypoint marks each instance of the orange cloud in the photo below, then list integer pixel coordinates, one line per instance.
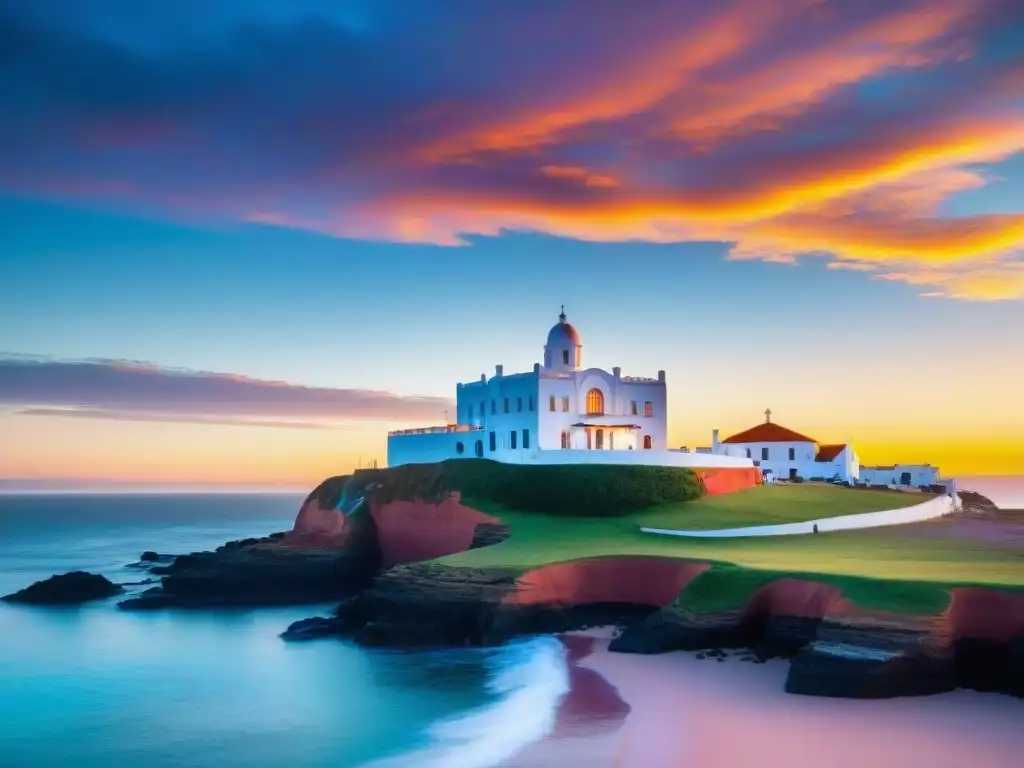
(575, 173)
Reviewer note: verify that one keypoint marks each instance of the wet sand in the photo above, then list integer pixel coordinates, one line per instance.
(682, 711)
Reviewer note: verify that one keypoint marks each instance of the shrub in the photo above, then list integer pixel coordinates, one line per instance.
(600, 490)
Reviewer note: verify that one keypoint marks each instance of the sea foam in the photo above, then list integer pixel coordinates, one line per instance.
(530, 678)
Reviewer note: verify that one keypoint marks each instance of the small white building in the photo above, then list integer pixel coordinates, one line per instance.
(787, 454)
(560, 412)
(904, 475)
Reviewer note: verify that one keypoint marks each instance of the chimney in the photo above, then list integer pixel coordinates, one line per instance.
(617, 373)
(661, 376)
(536, 367)
(498, 370)
(483, 378)
(714, 440)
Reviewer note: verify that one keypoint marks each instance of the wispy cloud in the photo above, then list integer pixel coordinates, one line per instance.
(791, 128)
(132, 391)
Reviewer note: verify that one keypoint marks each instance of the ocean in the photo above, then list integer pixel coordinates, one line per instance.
(95, 686)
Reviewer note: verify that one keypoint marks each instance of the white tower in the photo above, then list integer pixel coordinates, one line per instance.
(563, 352)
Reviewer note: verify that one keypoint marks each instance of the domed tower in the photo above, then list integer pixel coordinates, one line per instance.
(563, 351)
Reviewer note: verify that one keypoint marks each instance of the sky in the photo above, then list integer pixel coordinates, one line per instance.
(242, 239)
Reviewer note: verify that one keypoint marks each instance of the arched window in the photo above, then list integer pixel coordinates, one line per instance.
(647, 442)
(565, 357)
(595, 402)
(460, 448)
(479, 448)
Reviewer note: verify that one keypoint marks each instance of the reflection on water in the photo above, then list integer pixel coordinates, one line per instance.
(95, 686)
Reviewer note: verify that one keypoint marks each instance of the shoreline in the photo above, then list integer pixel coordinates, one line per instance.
(683, 711)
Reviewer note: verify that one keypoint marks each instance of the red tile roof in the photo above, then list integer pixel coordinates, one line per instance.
(769, 433)
(828, 452)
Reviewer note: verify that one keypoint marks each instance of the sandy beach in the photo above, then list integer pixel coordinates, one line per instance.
(678, 710)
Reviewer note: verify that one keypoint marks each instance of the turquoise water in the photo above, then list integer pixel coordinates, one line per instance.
(95, 686)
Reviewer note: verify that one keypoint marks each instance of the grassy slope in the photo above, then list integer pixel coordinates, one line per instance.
(774, 504)
(902, 568)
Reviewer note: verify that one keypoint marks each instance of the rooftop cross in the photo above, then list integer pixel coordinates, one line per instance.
(768, 415)
(561, 316)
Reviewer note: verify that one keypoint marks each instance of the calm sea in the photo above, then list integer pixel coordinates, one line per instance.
(94, 686)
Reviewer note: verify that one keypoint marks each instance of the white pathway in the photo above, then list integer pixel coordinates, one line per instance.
(928, 510)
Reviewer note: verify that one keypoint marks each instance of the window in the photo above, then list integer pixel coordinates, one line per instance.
(460, 448)
(526, 438)
(764, 454)
(792, 454)
(519, 404)
(748, 454)
(565, 404)
(647, 442)
(648, 409)
(565, 439)
(600, 439)
(479, 448)
(551, 403)
(595, 402)
(632, 408)
(512, 439)
(530, 403)
(506, 405)
(494, 442)
(565, 357)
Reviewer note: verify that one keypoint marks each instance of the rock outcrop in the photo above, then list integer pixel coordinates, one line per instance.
(777, 620)
(267, 571)
(430, 605)
(66, 589)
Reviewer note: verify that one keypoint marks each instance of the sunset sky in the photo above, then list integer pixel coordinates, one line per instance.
(241, 239)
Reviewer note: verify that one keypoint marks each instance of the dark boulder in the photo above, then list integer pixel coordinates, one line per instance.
(673, 629)
(66, 589)
(489, 534)
(871, 663)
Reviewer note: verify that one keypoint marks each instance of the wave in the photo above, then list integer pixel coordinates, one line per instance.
(530, 678)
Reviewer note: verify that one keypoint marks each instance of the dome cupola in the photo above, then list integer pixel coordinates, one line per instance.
(564, 351)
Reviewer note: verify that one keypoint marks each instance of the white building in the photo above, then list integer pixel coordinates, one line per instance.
(788, 454)
(905, 475)
(560, 412)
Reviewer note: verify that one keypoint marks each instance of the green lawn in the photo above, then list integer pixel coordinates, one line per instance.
(877, 553)
(775, 504)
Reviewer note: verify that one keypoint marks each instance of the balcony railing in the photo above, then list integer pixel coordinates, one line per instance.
(446, 429)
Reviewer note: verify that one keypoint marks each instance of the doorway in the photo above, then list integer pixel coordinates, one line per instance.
(792, 473)
(600, 439)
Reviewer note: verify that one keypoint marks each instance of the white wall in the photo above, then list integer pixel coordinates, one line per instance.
(935, 507)
(433, 447)
(778, 460)
(650, 458)
(520, 392)
(920, 474)
(618, 394)
(429, 448)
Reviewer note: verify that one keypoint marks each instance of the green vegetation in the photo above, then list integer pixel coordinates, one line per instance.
(920, 552)
(727, 586)
(564, 490)
(776, 504)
